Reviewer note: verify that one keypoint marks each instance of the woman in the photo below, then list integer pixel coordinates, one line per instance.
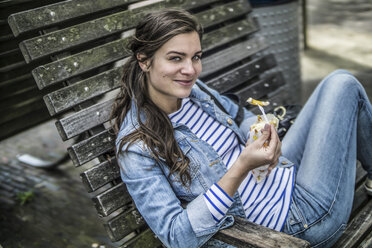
(188, 166)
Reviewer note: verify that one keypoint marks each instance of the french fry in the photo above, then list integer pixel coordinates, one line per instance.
(257, 102)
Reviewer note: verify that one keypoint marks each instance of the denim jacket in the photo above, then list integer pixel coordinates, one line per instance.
(179, 215)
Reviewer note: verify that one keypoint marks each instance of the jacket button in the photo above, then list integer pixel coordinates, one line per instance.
(284, 162)
(229, 121)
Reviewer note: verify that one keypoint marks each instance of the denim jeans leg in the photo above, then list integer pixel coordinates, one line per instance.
(331, 132)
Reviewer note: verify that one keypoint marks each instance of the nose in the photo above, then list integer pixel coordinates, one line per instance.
(188, 68)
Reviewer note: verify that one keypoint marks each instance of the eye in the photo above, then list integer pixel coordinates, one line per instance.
(175, 58)
(197, 57)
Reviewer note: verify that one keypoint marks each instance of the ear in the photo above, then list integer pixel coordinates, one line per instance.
(142, 62)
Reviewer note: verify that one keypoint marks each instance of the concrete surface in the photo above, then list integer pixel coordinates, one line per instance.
(58, 213)
(339, 36)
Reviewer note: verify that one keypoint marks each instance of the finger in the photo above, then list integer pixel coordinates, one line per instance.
(274, 140)
(274, 134)
(265, 135)
(278, 151)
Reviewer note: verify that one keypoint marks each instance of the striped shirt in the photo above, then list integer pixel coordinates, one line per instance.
(264, 203)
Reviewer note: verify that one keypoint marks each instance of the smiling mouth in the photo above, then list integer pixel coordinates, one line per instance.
(184, 82)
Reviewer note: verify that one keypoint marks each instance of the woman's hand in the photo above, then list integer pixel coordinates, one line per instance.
(265, 150)
(254, 155)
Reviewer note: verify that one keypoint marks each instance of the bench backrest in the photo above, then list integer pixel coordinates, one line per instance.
(84, 47)
(20, 99)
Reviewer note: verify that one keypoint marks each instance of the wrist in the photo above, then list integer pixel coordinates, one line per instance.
(240, 169)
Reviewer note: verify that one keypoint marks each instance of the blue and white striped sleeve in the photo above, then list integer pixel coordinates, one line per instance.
(218, 202)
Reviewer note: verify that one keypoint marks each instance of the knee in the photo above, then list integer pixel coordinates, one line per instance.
(341, 82)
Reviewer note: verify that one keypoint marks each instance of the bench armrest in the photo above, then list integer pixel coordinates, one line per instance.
(248, 234)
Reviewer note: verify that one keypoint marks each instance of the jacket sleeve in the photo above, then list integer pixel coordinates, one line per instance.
(155, 199)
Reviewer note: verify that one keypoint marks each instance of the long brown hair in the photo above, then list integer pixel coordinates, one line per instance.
(156, 131)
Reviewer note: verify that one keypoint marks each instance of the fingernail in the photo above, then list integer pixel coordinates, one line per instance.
(267, 127)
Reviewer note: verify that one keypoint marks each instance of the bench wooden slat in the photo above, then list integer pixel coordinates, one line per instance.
(111, 200)
(235, 77)
(16, 125)
(244, 232)
(22, 108)
(231, 55)
(84, 120)
(79, 92)
(360, 174)
(228, 33)
(146, 239)
(367, 242)
(60, 40)
(360, 199)
(100, 175)
(87, 60)
(56, 13)
(222, 13)
(262, 87)
(92, 147)
(76, 64)
(357, 228)
(123, 224)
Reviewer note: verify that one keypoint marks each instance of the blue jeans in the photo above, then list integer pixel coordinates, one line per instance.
(333, 129)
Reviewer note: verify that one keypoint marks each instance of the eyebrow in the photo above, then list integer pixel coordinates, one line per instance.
(180, 53)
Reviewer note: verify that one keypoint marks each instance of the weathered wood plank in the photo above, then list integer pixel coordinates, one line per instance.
(58, 41)
(22, 108)
(236, 76)
(23, 122)
(123, 224)
(231, 55)
(261, 88)
(56, 13)
(111, 200)
(92, 147)
(219, 14)
(357, 228)
(360, 175)
(228, 33)
(248, 234)
(79, 92)
(360, 199)
(73, 65)
(146, 239)
(84, 120)
(367, 242)
(11, 97)
(100, 175)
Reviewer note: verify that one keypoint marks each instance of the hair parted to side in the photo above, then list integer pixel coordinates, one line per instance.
(152, 32)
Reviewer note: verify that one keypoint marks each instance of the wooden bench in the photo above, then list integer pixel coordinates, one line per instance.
(83, 47)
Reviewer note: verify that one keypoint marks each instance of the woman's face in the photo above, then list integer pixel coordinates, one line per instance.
(174, 70)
